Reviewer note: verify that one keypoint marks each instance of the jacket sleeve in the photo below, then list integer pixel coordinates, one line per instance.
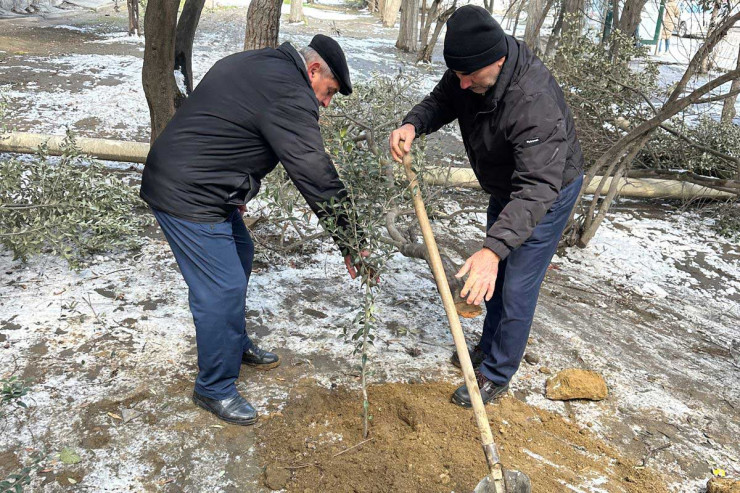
(292, 131)
(537, 135)
(435, 110)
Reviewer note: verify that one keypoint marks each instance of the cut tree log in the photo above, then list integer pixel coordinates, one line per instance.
(136, 152)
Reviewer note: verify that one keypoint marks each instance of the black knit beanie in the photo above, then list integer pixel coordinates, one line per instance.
(474, 39)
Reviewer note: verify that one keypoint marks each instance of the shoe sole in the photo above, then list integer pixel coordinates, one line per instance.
(467, 405)
(265, 367)
(240, 422)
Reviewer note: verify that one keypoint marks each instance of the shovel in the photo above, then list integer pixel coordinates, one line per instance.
(498, 480)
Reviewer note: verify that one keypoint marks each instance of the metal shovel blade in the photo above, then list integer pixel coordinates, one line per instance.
(516, 482)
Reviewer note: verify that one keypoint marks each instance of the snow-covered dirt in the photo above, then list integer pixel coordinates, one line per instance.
(653, 303)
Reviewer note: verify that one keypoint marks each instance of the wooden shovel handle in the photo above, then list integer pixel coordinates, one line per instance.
(457, 334)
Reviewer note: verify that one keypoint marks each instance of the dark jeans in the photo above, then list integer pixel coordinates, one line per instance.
(216, 260)
(511, 309)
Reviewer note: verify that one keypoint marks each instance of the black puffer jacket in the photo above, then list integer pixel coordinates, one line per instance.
(251, 110)
(519, 136)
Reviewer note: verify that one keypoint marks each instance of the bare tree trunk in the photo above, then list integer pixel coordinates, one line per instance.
(426, 26)
(425, 55)
(390, 12)
(706, 61)
(615, 14)
(728, 107)
(157, 76)
(263, 24)
(628, 22)
(186, 26)
(536, 12)
(296, 11)
(423, 20)
(488, 5)
(519, 9)
(572, 18)
(552, 41)
(133, 17)
(408, 34)
(508, 15)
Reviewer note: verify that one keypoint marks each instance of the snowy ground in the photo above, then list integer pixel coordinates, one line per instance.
(653, 304)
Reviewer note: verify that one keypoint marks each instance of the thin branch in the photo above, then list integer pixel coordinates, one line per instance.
(352, 447)
(720, 97)
(708, 150)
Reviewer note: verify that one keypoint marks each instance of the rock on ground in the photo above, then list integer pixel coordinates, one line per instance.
(276, 477)
(723, 485)
(576, 384)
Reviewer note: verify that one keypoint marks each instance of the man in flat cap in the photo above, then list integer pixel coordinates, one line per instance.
(521, 142)
(251, 110)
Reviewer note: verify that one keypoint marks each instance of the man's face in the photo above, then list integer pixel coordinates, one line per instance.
(324, 86)
(482, 79)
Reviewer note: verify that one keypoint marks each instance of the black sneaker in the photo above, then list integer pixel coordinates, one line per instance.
(235, 410)
(476, 356)
(260, 359)
(488, 391)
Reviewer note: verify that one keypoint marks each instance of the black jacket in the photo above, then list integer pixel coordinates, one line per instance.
(519, 136)
(251, 110)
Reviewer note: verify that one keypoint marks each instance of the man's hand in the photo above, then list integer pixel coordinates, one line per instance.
(482, 269)
(242, 209)
(405, 133)
(352, 269)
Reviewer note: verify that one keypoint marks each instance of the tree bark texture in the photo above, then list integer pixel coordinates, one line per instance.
(572, 18)
(536, 12)
(408, 34)
(728, 107)
(706, 61)
(552, 41)
(520, 7)
(425, 54)
(390, 12)
(263, 24)
(186, 27)
(157, 77)
(133, 17)
(296, 11)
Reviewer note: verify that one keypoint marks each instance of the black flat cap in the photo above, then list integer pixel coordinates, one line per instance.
(333, 55)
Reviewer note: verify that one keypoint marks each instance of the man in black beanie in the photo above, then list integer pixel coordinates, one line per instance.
(251, 110)
(521, 141)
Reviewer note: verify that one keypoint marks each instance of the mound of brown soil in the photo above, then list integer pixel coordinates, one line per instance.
(421, 442)
(574, 383)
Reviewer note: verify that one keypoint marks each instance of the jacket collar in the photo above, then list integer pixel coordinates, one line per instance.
(293, 54)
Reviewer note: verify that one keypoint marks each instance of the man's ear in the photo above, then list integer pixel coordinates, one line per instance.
(313, 69)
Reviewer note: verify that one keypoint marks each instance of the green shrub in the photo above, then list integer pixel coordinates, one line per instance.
(72, 206)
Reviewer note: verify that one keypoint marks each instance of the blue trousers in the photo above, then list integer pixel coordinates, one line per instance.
(216, 260)
(511, 309)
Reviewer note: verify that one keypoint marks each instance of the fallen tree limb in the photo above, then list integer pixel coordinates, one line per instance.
(679, 186)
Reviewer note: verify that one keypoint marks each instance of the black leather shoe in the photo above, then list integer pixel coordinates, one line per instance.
(476, 356)
(488, 391)
(260, 359)
(235, 410)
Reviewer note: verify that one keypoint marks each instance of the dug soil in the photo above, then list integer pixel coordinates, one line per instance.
(419, 441)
